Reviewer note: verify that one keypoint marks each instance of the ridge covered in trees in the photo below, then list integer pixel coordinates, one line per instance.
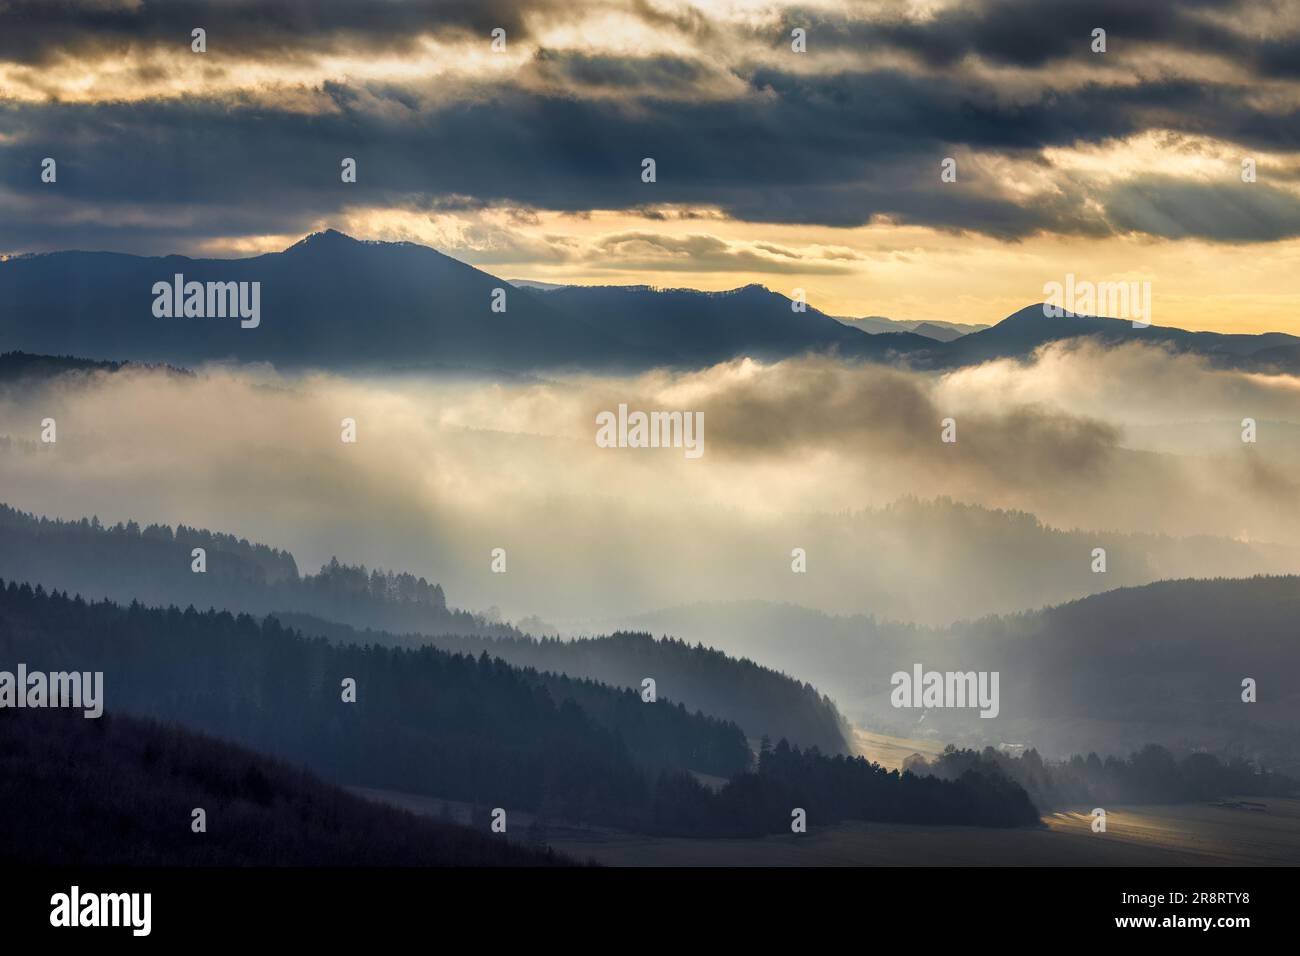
(152, 564)
(121, 791)
(26, 368)
(424, 720)
(1112, 672)
(763, 701)
(1150, 775)
(476, 729)
(832, 790)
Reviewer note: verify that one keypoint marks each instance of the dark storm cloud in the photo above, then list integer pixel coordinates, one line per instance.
(774, 145)
(662, 73)
(39, 31)
(1019, 32)
(1176, 209)
(1279, 57)
(831, 149)
(1032, 33)
(803, 156)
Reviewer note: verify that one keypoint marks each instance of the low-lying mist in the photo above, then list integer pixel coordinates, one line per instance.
(1134, 450)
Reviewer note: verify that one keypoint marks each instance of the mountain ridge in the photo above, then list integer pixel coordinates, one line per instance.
(330, 300)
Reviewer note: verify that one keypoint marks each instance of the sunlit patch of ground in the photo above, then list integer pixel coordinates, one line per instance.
(1223, 835)
(890, 752)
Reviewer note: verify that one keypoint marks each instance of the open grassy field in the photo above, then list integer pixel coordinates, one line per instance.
(1173, 835)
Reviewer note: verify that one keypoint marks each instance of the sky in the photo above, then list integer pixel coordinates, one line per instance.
(817, 170)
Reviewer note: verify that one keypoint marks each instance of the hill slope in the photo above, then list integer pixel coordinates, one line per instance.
(152, 565)
(424, 721)
(1020, 333)
(119, 791)
(762, 701)
(1111, 673)
(328, 300)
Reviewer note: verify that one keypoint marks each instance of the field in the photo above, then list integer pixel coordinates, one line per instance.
(1190, 834)
(1168, 835)
(890, 752)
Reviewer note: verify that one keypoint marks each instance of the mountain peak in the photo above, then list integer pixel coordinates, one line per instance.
(1035, 312)
(324, 239)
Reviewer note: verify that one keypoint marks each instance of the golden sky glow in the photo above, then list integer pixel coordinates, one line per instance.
(901, 272)
(816, 170)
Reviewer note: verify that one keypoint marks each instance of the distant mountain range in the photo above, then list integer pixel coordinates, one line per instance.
(939, 331)
(1021, 333)
(335, 302)
(873, 324)
(760, 700)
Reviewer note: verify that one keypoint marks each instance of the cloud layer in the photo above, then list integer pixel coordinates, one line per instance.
(836, 459)
(160, 146)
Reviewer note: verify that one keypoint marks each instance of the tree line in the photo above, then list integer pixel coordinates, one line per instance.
(121, 791)
(1152, 774)
(152, 564)
(467, 728)
(833, 789)
(761, 700)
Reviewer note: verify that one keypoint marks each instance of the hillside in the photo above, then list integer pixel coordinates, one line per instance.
(25, 369)
(425, 720)
(152, 565)
(684, 327)
(120, 791)
(1162, 663)
(1020, 333)
(432, 723)
(761, 700)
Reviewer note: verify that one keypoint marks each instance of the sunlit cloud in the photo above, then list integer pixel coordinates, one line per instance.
(806, 452)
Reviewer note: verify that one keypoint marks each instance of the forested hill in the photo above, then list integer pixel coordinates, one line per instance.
(154, 565)
(26, 369)
(425, 721)
(120, 791)
(1151, 775)
(1168, 663)
(763, 701)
